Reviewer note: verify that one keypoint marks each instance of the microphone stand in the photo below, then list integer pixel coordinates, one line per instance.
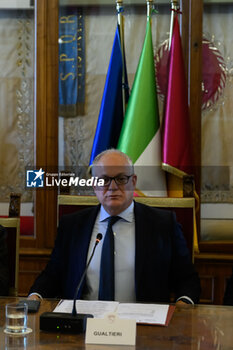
(98, 239)
(68, 322)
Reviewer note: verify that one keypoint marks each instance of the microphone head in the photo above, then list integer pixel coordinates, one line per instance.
(99, 237)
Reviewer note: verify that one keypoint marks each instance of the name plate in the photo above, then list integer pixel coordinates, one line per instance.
(110, 330)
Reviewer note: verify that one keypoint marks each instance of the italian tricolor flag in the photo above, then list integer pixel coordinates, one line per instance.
(140, 133)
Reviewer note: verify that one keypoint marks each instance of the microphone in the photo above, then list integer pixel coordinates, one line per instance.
(98, 239)
(66, 322)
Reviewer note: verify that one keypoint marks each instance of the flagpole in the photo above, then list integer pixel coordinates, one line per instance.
(174, 7)
(120, 21)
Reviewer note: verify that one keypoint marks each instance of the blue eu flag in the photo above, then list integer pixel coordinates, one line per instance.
(111, 111)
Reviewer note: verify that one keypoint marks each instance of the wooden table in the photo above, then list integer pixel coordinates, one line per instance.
(199, 327)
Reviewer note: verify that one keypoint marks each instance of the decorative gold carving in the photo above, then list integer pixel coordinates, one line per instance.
(151, 201)
(24, 97)
(14, 207)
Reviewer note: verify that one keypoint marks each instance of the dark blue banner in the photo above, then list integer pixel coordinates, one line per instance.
(71, 62)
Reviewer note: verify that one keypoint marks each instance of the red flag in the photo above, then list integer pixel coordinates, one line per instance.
(177, 155)
(176, 134)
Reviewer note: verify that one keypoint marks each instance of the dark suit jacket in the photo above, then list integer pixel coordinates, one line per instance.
(162, 260)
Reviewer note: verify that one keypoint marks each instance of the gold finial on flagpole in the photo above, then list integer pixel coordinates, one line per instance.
(174, 7)
(149, 4)
(120, 20)
(119, 8)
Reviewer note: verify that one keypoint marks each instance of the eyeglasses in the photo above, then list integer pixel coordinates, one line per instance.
(119, 179)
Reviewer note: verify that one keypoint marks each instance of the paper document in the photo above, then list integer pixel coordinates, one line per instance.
(96, 308)
(142, 313)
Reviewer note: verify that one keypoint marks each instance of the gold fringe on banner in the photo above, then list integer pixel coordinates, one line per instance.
(71, 111)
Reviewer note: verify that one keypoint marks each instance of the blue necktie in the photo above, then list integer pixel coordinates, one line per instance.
(107, 268)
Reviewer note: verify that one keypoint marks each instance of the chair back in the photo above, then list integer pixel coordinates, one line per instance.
(12, 226)
(183, 207)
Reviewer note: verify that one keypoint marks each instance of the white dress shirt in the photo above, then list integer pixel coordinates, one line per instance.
(124, 233)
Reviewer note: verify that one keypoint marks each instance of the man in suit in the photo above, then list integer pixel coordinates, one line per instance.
(4, 272)
(151, 257)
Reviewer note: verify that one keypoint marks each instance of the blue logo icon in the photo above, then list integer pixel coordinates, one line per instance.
(35, 178)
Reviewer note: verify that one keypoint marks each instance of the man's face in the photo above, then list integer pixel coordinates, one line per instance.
(114, 198)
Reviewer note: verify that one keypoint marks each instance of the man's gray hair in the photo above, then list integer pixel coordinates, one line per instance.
(109, 151)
